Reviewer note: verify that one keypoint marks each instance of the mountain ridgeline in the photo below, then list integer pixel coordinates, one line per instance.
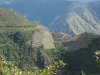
(30, 44)
(61, 15)
(73, 38)
(20, 39)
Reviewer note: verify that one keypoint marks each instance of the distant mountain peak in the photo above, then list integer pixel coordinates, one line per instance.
(65, 16)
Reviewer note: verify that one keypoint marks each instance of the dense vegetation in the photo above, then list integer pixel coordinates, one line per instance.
(19, 56)
(85, 60)
(8, 68)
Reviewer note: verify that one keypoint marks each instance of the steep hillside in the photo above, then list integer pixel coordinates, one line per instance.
(77, 19)
(30, 44)
(61, 15)
(11, 22)
(17, 36)
(78, 52)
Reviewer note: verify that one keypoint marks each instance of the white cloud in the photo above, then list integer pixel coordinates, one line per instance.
(6, 1)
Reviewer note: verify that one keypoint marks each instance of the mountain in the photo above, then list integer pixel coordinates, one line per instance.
(74, 43)
(78, 52)
(94, 7)
(30, 44)
(77, 19)
(11, 22)
(60, 16)
(21, 40)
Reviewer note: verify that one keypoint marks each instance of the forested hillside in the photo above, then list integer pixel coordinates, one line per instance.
(25, 44)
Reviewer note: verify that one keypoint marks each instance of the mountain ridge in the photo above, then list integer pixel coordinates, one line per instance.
(30, 44)
(61, 16)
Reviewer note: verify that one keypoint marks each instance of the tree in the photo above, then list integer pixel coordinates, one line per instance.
(9, 68)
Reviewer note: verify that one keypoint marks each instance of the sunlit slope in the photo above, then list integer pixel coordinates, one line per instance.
(10, 20)
(77, 19)
(12, 23)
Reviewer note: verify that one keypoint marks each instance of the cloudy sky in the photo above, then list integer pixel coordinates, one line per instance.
(10, 1)
(82, 0)
(5, 1)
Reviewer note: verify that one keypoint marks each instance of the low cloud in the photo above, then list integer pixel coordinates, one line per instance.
(6, 1)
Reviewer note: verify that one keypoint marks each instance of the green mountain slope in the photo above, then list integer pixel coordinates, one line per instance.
(76, 42)
(17, 35)
(30, 44)
(78, 52)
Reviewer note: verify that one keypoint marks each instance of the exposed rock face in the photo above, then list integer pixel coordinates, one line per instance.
(42, 37)
(12, 21)
(18, 35)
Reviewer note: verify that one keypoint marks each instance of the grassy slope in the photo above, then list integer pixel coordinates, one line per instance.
(16, 34)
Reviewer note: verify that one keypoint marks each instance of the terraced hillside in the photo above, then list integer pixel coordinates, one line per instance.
(17, 34)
